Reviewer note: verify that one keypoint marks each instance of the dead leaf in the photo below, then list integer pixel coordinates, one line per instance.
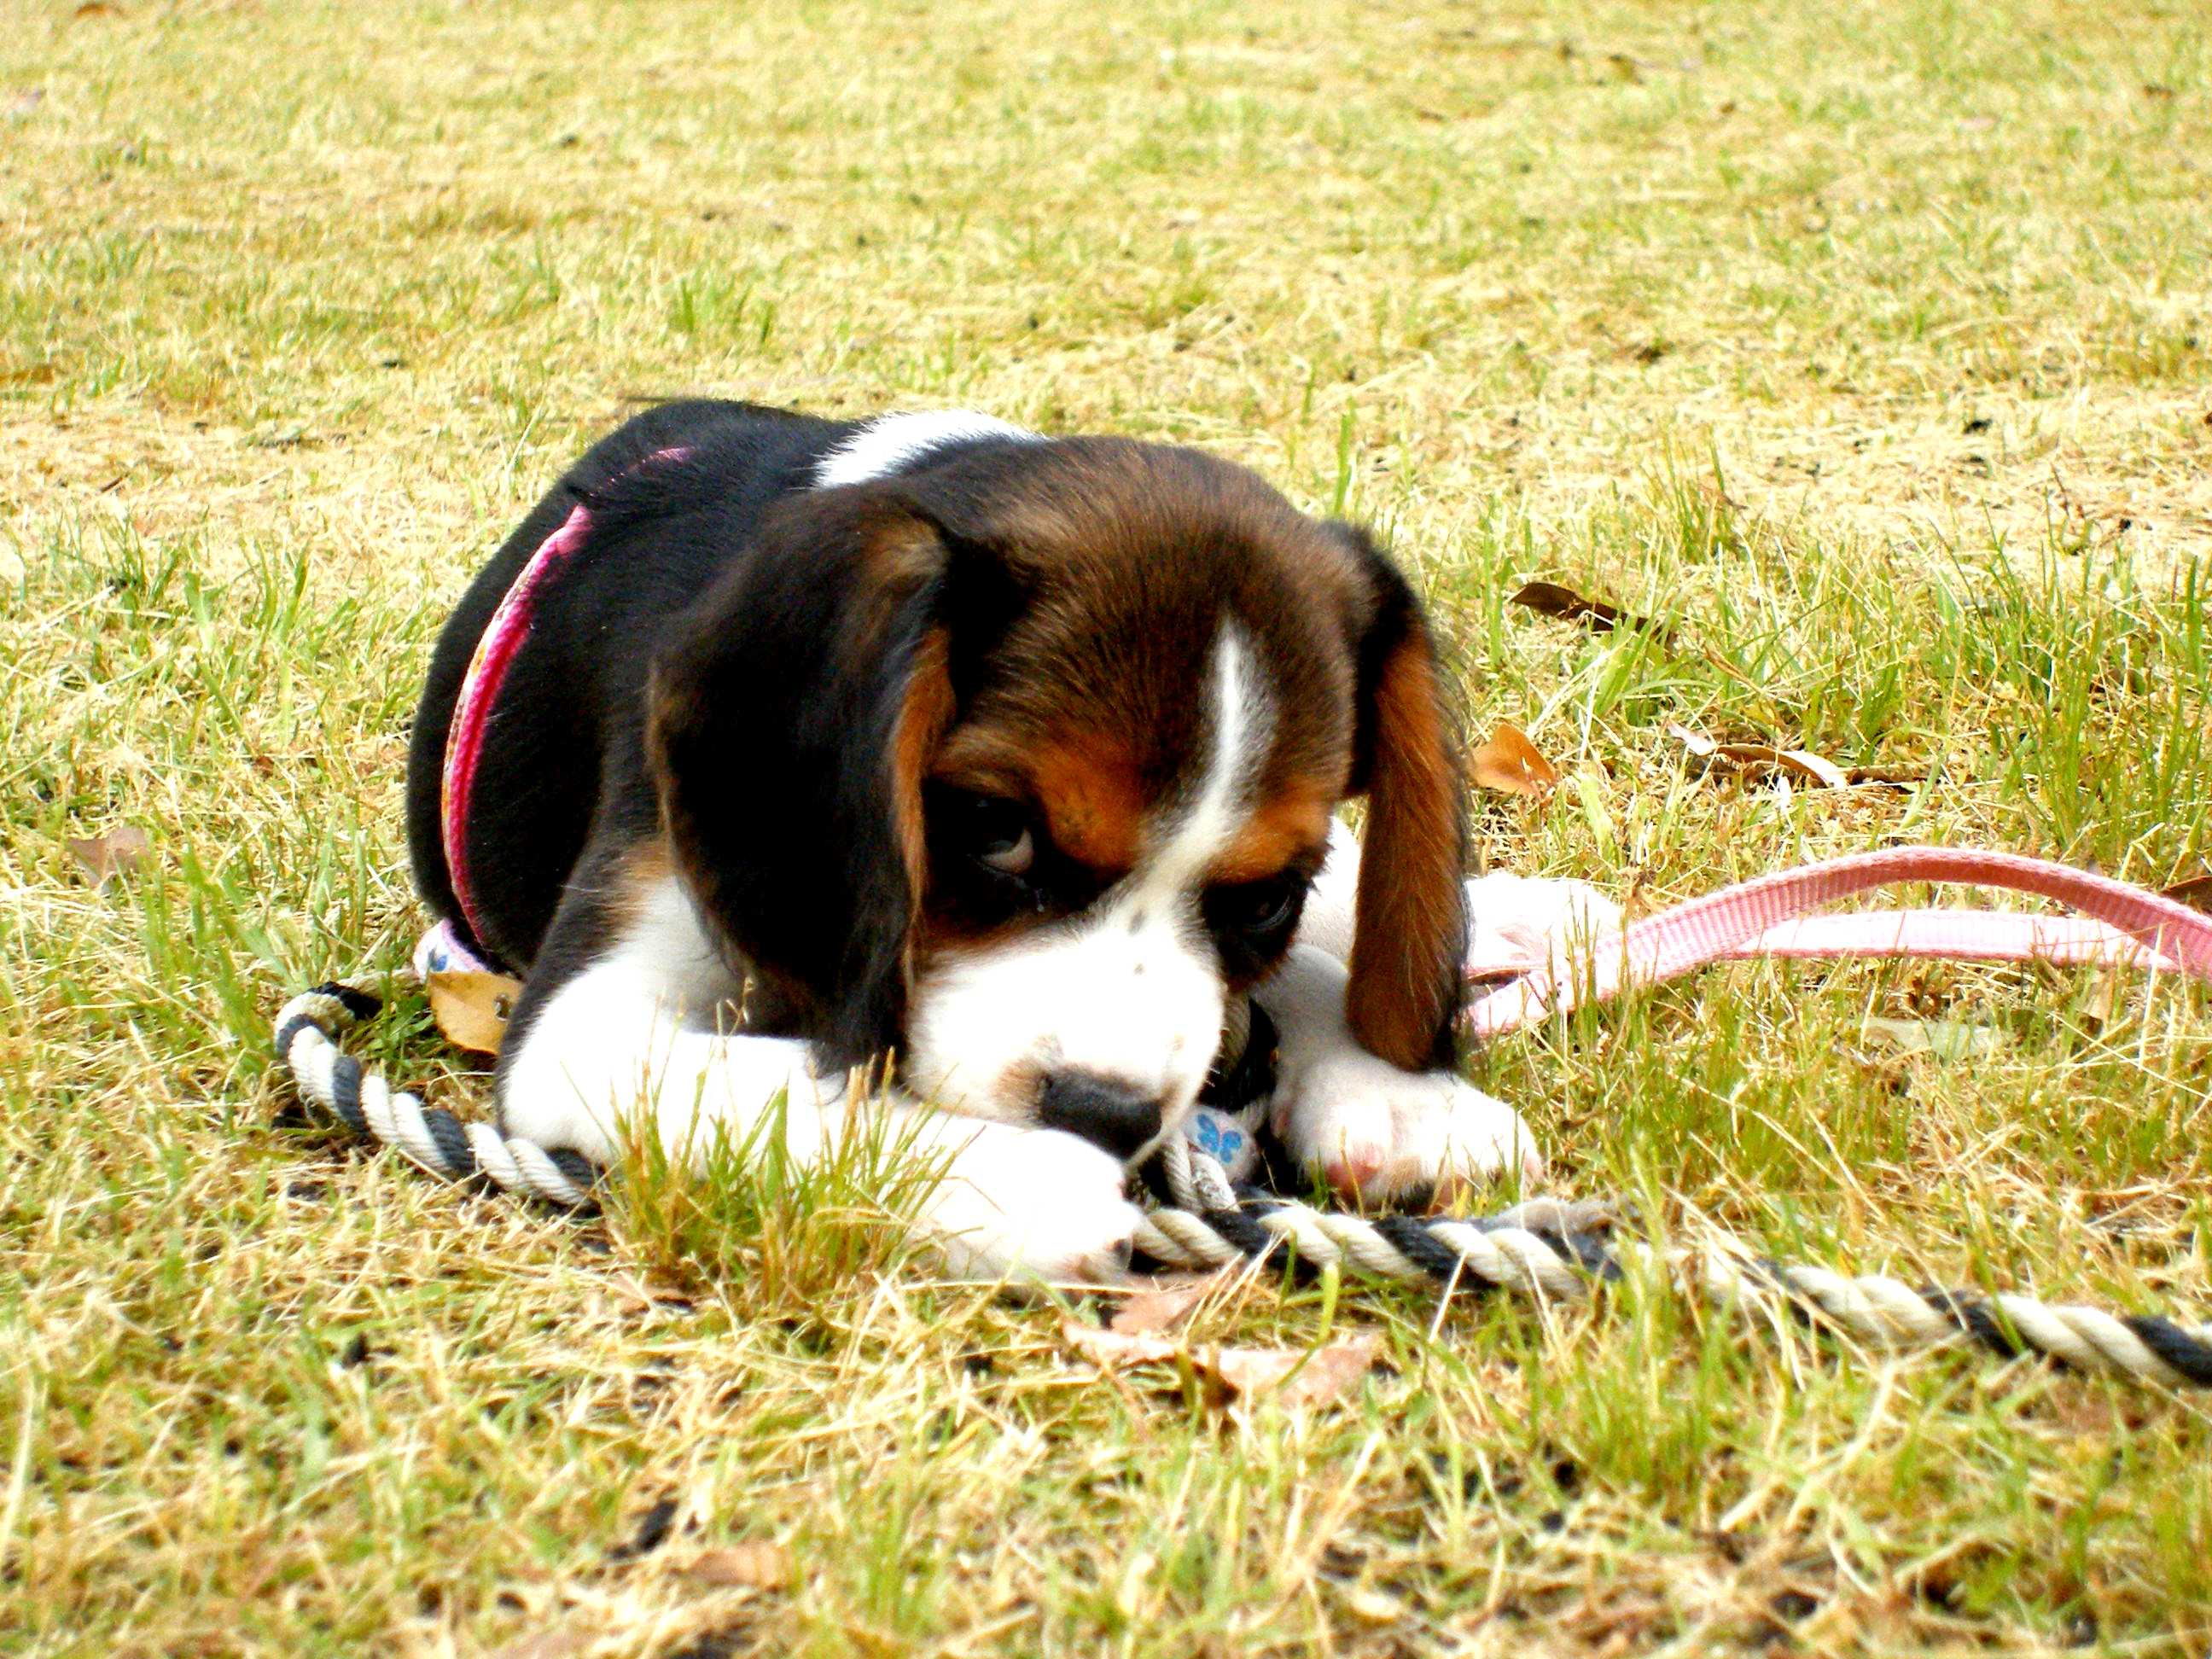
(1510, 764)
(1760, 761)
(1114, 1350)
(1157, 1310)
(98, 8)
(1939, 1039)
(1294, 1378)
(1886, 777)
(755, 1564)
(472, 1009)
(1550, 599)
(1802, 763)
(117, 853)
(1696, 742)
(1290, 1377)
(2196, 892)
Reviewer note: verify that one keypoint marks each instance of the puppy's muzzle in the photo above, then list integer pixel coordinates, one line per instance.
(1103, 1110)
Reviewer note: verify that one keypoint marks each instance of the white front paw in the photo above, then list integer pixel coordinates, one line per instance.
(1018, 1203)
(1377, 1134)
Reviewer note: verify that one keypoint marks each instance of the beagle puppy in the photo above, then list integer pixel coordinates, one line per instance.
(927, 767)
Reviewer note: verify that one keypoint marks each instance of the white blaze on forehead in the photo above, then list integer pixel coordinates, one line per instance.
(1131, 991)
(1240, 724)
(891, 443)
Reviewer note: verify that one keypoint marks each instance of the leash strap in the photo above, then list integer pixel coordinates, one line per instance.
(1766, 917)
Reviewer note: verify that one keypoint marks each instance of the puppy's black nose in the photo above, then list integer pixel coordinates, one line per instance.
(1106, 1112)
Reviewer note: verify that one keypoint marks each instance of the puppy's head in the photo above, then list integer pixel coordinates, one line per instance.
(1019, 766)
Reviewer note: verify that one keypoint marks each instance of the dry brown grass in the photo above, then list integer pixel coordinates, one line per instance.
(1866, 343)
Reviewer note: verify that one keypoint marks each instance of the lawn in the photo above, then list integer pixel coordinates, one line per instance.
(1868, 347)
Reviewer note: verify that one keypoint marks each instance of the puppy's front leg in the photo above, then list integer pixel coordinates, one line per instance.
(606, 1051)
(1375, 1131)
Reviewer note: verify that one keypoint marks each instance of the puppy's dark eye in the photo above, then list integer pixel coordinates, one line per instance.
(995, 833)
(1257, 909)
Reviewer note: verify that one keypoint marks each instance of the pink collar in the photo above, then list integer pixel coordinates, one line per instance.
(502, 638)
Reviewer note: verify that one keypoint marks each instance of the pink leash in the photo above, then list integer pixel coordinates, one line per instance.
(1764, 917)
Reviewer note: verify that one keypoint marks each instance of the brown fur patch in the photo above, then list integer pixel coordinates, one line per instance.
(1411, 925)
(1291, 824)
(1131, 558)
(644, 867)
(1093, 799)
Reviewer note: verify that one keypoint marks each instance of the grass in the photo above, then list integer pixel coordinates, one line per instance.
(1865, 346)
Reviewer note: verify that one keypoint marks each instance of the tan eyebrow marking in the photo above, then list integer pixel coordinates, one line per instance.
(1291, 824)
(1086, 783)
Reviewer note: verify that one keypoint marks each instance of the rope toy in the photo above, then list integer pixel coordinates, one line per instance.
(1550, 1250)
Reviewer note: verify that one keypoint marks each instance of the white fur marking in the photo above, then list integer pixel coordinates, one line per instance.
(634, 1033)
(892, 443)
(630, 1040)
(1242, 720)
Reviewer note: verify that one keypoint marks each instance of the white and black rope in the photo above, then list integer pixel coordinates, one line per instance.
(307, 1032)
(1547, 1248)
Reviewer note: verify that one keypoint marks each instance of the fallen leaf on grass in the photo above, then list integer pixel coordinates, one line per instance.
(1801, 763)
(1156, 1310)
(1939, 1039)
(472, 1009)
(2196, 892)
(1887, 777)
(1290, 1377)
(1760, 761)
(1114, 1350)
(1510, 764)
(755, 1564)
(116, 853)
(1550, 599)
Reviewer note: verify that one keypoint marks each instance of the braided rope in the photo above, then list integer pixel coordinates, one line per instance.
(1548, 1249)
(306, 1031)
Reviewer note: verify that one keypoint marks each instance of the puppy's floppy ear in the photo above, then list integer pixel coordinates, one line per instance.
(793, 712)
(1409, 937)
